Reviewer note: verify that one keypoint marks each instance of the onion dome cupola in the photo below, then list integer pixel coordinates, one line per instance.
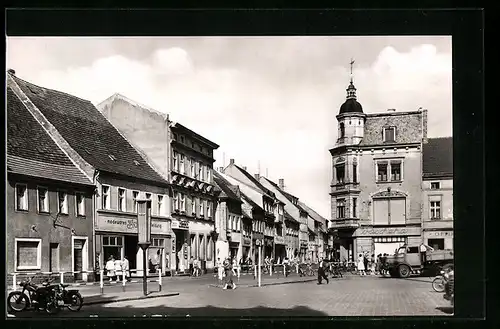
(351, 105)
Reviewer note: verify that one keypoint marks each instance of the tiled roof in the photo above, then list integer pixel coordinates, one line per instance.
(225, 187)
(289, 217)
(317, 217)
(287, 195)
(89, 133)
(31, 151)
(438, 157)
(256, 182)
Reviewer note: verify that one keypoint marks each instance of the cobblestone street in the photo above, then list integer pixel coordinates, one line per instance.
(350, 296)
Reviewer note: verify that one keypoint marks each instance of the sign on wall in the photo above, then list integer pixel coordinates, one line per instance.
(387, 231)
(180, 224)
(129, 225)
(439, 234)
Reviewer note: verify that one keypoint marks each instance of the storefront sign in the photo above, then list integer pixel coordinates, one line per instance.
(439, 234)
(247, 241)
(125, 225)
(180, 225)
(387, 231)
(279, 240)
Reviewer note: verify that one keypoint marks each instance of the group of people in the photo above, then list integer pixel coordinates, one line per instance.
(116, 268)
(371, 265)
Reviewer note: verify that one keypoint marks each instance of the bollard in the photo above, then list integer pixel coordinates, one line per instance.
(159, 280)
(271, 270)
(238, 269)
(123, 277)
(255, 272)
(101, 281)
(14, 281)
(62, 277)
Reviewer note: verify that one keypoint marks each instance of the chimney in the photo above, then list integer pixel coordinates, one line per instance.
(231, 161)
(11, 72)
(244, 168)
(257, 176)
(281, 183)
(391, 110)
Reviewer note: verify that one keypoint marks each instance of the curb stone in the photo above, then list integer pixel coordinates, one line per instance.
(118, 299)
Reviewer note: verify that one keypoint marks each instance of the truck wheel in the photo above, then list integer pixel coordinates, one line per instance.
(393, 273)
(404, 271)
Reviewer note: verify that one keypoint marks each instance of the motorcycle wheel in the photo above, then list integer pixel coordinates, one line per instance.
(17, 302)
(76, 302)
(52, 307)
(438, 284)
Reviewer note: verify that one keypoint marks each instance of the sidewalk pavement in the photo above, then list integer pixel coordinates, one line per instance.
(267, 281)
(124, 296)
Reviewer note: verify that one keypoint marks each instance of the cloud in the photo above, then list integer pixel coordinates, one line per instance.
(263, 107)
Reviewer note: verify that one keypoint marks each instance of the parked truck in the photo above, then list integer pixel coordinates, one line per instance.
(408, 259)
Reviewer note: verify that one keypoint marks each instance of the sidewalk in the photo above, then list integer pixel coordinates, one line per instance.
(249, 282)
(124, 296)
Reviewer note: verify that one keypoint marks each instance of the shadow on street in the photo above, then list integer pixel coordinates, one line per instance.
(445, 309)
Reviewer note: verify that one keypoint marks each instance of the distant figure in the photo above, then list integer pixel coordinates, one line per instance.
(361, 264)
(110, 267)
(158, 261)
(321, 272)
(423, 250)
(126, 268)
(118, 269)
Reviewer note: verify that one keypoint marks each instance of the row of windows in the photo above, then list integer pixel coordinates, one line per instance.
(181, 200)
(258, 226)
(386, 171)
(43, 202)
(233, 223)
(190, 167)
(122, 200)
(292, 232)
(195, 146)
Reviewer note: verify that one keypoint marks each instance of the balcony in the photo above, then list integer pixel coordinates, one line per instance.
(344, 224)
(343, 188)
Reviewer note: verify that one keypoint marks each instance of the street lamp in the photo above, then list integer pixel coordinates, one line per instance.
(144, 233)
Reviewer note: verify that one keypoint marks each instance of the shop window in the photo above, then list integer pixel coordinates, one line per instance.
(182, 164)
(340, 208)
(80, 204)
(21, 197)
(105, 199)
(210, 248)
(135, 196)
(437, 244)
(43, 199)
(28, 254)
(122, 201)
(112, 246)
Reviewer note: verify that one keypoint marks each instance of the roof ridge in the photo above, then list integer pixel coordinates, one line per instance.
(50, 89)
(132, 102)
(11, 82)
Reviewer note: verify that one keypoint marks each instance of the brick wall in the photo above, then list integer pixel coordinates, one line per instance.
(409, 127)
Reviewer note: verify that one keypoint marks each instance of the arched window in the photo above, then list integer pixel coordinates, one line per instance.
(342, 130)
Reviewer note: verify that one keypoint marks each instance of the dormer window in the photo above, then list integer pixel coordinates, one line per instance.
(342, 130)
(389, 134)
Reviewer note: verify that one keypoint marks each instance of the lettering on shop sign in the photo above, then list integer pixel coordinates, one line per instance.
(448, 234)
(279, 240)
(180, 225)
(384, 231)
(129, 225)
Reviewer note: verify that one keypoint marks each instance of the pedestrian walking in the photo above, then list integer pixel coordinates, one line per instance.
(321, 272)
(361, 264)
(118, 269)
(365, 262)
(110, 268)
(228, 279)
(126, 268)
(220, 269)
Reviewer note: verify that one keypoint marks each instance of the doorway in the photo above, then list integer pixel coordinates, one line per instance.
(80, 257)
(131, 248)
(54, 257)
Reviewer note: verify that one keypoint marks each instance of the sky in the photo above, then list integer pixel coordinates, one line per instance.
(269, 102)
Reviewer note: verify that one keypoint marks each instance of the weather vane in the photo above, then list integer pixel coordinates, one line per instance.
(352, 62)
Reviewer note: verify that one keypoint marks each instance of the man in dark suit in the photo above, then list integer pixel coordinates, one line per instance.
(321, 272)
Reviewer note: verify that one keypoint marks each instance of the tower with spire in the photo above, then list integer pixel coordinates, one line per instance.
(351, 119)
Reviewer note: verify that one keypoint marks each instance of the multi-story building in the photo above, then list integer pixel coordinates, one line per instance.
(376, 194)
(274, 231)
(49, 200)
(437, 189)
(119, 172)
(186, 159)
(296, 221)
(320, 231)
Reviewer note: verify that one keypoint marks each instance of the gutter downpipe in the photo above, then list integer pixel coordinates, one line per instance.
(94, 201)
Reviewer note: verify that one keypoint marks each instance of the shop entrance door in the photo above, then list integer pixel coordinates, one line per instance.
(78, 245)
(131, 249)
(179, 252)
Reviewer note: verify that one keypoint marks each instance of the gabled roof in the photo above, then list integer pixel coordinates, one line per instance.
(314, 215)
(289, 217)
(32, 152)
(226, 188)
(256, 182)
(249, 194)
(88, 132)
(288, 196)
(438, 157)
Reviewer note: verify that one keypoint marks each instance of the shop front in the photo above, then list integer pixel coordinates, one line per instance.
(380, 240)
(235, 247)
(247, 246)
(303, 250)
(179, 258)
(116, 236)
(201, 245)
(279, 248)
(439, 239)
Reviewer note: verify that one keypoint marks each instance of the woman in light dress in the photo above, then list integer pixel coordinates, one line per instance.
(361, 264)
(110, 268)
